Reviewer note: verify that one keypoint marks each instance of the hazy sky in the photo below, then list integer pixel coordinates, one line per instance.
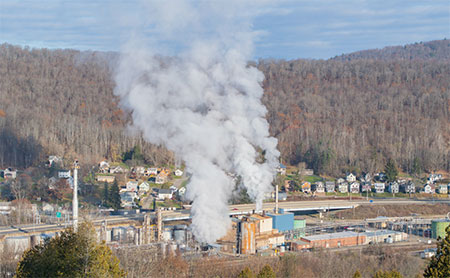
(288, 29)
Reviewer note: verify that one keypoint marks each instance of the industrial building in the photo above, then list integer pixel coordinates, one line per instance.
(282, 221)
(333, 240)
(384, 236)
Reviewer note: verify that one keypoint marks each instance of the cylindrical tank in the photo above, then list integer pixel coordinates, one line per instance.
(438, 227)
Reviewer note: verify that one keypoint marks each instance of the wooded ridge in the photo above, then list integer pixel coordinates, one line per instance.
(349, 113)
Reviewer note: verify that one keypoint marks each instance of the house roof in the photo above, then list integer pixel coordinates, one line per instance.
(164, 191)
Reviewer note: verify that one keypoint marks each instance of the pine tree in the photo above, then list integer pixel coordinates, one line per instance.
(246, 273)
(71, 254)
(357, 274)
(114, 196)
(388, 274)
(105, 195)
(391, 171)
(440, 264)
(266, 272)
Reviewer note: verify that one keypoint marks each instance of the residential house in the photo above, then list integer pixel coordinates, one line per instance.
(127, 198)
(161, 178)
(152, 171)
(53, 160)
(281, 169)
(64, 174)
(132, 186)
(103, 167)
(318, 187)
(116, 170)
(429, 188)
(181, 191)
(354, 187)
(408, 187)
(164, 194)
(350, 177)
(379, 187)
(5, 208)
(144, 187)
(178, 173)
(139, 170)
(366, 187)
(330, 186)
(9, 173)
(306, 172)
(173, 189)
(441, 188)
(380, 177)
(343, 187)
(393, 187)
(340, 180)
(306, 187)
(48, 209)
(108, 179)
(434, 177)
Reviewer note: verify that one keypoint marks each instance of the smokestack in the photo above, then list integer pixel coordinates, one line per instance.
(276, 198)
(76, 166)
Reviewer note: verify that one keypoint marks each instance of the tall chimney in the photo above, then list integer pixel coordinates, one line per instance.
(276, 198)
(76, 166)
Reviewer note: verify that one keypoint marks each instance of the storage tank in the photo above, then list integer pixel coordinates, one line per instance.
(438, 227)
(299, 224)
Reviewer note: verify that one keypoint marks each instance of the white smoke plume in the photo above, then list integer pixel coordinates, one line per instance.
(203, 103)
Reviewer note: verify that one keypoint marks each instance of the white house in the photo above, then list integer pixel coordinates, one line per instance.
(393, 187)
(181, 191)
(340, 180)
(351, 177)
(116, 170)
(319, 187)
(366, 187)
(9, 173)
(64, 174)
(343, 187)
(281, 169)
(139, 170)
(379, 187)
(330, 186)
(127, 198)
(354, 187)
(164, 194)
(441, 189)
(52, 160)
(144, 187)
(178, 173)
(132, 186)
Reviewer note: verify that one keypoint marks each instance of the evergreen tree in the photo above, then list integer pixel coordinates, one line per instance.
(266, 272)
(388, 274)
(391, 170)
(246, 273)
(114, 196)
(357, 274)
(440, 264)
(105, 195)
(71, 254)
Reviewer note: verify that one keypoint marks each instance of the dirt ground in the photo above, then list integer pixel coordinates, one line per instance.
(372, 211)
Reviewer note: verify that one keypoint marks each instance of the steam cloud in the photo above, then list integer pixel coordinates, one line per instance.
(204, 103)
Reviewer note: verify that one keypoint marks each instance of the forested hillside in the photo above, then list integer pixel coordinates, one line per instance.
(439, 49)
(336, 115)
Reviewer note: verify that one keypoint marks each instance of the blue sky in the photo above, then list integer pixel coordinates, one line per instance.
(289, 29)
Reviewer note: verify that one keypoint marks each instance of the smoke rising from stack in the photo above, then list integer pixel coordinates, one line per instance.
(204, 103)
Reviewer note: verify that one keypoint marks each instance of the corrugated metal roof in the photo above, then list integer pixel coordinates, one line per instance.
(331, 236)
(381, 232)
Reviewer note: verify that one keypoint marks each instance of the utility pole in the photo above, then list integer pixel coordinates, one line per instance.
(76, 166)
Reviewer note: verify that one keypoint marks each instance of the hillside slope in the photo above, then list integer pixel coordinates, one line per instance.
(335, 115)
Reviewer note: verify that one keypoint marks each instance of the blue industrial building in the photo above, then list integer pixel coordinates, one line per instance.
(282, 221)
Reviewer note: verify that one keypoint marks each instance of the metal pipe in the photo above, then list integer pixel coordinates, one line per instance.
(276, 198)
(75, 195)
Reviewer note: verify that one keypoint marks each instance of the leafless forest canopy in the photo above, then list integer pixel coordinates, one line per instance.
(352, 112)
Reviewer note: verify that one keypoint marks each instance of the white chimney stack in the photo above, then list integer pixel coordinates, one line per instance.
(76, 166)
